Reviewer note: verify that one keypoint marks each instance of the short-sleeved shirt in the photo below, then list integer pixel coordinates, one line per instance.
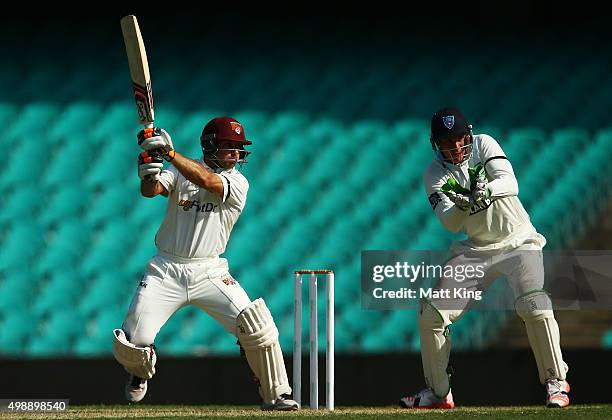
(198, 223)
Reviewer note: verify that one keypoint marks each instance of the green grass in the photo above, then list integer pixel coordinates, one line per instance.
(233, 412)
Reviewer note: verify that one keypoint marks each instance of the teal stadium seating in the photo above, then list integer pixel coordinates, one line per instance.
(340, 140)
(321, 191)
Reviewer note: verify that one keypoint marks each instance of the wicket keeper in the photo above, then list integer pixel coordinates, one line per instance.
(472, 188)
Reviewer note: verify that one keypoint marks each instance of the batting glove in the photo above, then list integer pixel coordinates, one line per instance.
(463, 201)
(157, 138)
(149, 166)
(481, 191)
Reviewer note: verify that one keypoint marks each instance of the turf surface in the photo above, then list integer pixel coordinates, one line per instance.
(232, 412)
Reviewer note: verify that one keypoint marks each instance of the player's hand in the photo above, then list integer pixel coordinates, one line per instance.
(149, 166)
(157, 138)
(463, 201)
(481, 190)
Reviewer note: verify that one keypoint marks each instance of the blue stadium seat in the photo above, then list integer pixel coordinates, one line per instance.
(13, 203)
(15, 330)
(32, 119)
(198, 333)
(68, 164)
(16, 291)
(63, 324)
(19, 170)
(116, 287)
(65, 203)
(59, 289)
(67, 243)
(114, 201)
(521, 147)
(117, 117)
(21, 244)
(74, 120)
(97, 337)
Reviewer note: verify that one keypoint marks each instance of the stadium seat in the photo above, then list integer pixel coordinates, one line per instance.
(21, 244)
(16, 329)
(19, 169)
(16, 292)
(70, 160)
(62, 325)
(68, 242)
(116, 290)
(522, 145)
(66, 202)
(200, 330)
(74, 120)
(97, 337)
(31, 120)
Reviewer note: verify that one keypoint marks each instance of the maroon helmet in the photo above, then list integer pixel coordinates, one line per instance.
(223, 128)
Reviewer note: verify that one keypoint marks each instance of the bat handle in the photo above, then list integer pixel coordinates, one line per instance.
(150, 178)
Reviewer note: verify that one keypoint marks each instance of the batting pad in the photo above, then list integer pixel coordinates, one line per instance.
(258, 336)
(139, 361)
(435, 348)
(535, 308)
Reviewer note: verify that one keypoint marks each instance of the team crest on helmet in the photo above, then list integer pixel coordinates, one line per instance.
(449, 121)
(236, 127)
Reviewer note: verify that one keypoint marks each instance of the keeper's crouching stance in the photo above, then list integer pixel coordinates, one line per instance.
(472, 188)
(205, 199)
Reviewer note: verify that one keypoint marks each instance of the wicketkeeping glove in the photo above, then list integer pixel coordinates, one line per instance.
(481, 191)
(157, 138)
(149, 166)
(463, 201)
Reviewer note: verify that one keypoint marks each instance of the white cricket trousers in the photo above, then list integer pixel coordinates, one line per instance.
(170, 284)
(524, 270)
(522, 267)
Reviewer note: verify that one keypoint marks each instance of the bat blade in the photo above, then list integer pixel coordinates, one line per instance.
(139, 69)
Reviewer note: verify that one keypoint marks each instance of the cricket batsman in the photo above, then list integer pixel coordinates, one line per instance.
(205, 198)
(472, 188)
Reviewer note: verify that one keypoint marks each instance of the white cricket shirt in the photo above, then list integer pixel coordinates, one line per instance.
(198, 223)
(499, 223)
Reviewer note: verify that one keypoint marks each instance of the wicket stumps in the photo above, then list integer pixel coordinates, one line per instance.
(314, 342)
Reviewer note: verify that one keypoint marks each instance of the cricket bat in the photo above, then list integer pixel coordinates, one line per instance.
(139, 70)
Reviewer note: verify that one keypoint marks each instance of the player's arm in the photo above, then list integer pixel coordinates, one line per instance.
(502, 181)
(192, 170)
(448, 212)
(195, 172)
(152, 188)
(149, 169)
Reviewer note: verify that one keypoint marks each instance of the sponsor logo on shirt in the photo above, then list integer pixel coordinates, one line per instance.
(229, 281)
(203, 207)
(477, 208)
(434, 199)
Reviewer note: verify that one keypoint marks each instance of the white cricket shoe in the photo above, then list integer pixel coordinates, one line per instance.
(135, 389)
(557, 393)
(282, 403)
(427, 399)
